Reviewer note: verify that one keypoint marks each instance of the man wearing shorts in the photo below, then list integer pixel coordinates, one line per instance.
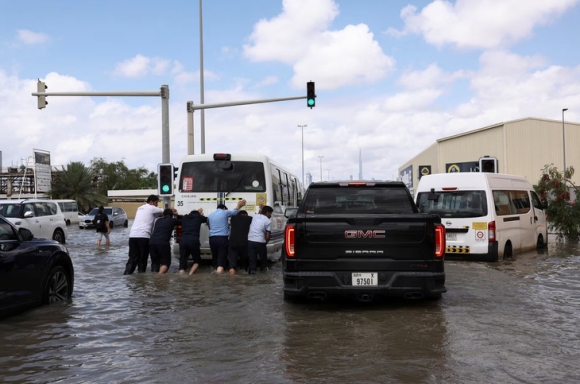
(159, 242)
(101, 221)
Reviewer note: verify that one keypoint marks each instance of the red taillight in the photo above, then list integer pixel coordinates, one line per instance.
(491, 231)
(289, 240)
(439, 240)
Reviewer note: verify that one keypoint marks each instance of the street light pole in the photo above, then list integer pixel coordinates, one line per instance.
(328, 178)
(564, 142)
(303, 183)
(320, 157)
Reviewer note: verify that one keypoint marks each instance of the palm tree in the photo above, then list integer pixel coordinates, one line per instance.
(77, 182)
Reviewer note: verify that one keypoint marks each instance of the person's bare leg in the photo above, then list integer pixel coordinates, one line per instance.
(219, 270)
(182, 271)
(163, 269)
(108, 242)
(98, 243)
(232, 271)
(193, 269)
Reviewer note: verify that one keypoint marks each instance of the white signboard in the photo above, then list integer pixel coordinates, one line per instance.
(42, 170)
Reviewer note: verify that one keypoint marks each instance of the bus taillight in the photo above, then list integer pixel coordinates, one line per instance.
(439, 240)
(491, 231)
(289, 240)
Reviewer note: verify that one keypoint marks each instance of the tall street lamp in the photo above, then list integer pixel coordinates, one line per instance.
(303, 183)
(328, 177)
(320, 157)
(564, 142)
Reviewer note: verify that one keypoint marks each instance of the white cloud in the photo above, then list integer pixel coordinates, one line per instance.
(300, 36)
(268, 80)
(480, 24)
(431, 77)
(140, 66)
(28, 37)
(137, 66)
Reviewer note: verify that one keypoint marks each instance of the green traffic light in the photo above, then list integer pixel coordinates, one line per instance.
(310, 102)
(165, 188)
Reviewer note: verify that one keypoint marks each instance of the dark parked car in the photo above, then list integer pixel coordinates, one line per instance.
(32, 271)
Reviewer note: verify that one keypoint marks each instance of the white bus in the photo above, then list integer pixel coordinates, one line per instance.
(70, 210)
(487, 216)
(204, 181)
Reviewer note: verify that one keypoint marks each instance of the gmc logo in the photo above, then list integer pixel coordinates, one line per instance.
(360, 234)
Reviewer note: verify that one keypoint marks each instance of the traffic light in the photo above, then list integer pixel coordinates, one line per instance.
(310, 95)
(488, 164)
(41, 87)
(165, 176)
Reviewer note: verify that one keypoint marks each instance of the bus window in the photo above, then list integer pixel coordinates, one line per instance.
(209, 176)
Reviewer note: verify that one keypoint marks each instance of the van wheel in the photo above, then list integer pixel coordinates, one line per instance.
(508, 251)
(540, 244)
(58, 235)
(126, 224)
(68, 223)
(58, 286)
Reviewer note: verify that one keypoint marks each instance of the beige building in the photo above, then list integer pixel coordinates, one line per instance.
(521, 147)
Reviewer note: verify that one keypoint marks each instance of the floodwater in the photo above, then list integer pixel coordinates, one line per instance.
(508, 322)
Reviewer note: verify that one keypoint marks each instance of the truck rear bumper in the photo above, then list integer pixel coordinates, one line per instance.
(390, 284)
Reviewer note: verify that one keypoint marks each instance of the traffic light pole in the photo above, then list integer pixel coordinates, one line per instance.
(163, 92)
(192, 108)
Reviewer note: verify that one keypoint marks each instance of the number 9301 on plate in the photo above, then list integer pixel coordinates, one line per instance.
(364, 279)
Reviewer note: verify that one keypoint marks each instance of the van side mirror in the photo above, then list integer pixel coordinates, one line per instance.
(28, 214)
(290, 212)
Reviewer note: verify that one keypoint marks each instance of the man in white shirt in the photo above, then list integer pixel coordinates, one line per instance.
(140, 233)
(258, 237)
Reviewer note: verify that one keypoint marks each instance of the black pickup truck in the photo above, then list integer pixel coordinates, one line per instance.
(362, 239)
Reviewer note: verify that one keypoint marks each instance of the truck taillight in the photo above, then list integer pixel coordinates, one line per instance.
(439, 240)
(289, 240)
(491, 231)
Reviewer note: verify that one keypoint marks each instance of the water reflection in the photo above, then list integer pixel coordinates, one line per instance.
(382, 342)
(511, 321)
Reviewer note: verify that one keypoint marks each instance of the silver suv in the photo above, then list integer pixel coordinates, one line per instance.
(117, 218)
(42, 217)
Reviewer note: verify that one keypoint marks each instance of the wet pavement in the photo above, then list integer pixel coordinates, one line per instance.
(513, 321)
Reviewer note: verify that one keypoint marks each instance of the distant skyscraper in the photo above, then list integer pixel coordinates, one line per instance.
(360, 176)
(308, 179)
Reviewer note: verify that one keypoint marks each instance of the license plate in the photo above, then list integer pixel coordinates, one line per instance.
(364, 279)
(451, 236)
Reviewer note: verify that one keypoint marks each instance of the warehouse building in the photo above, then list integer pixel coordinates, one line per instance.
(521, 147)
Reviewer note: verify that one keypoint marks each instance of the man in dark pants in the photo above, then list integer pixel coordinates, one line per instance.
(159, 242)
(218, 233)
(189, 243)
(258, 237)
(238, 242)
(140, 233)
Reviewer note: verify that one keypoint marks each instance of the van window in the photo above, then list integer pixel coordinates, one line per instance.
(454, 204)
(511, 202)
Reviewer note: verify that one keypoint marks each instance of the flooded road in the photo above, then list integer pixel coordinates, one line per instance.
(510, 322)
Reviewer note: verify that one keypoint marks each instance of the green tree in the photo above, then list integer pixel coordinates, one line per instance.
(554, 191)
(77, 182)
(117, 176)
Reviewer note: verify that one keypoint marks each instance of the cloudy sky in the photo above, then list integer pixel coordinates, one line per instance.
(391, 76)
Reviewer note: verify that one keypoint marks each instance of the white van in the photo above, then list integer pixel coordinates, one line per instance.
(487, 216)
(70, 210)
